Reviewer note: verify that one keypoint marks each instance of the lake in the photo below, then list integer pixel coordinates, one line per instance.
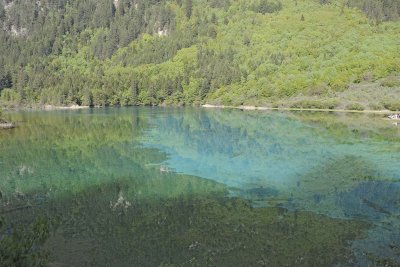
(148, 186)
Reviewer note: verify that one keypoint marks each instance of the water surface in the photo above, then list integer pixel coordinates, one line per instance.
(195, 187)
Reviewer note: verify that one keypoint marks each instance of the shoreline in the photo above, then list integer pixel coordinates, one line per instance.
(209, 106)
(7, 125)
(43, 107)
(73, 107)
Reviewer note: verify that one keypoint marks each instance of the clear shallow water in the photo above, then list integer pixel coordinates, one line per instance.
(155, 186)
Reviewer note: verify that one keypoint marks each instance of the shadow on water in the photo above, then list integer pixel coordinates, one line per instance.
(352, 187)
(110, 225)
(97, 188)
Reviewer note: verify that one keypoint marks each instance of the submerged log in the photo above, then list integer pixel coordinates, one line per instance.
(10, 210)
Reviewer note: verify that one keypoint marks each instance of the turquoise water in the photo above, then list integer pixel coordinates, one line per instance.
(195, 187)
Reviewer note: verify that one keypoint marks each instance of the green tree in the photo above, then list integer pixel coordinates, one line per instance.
(2, 12)
(189, 8)
(5, 80)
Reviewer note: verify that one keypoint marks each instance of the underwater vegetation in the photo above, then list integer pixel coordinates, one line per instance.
(97, 228)
(188, 187)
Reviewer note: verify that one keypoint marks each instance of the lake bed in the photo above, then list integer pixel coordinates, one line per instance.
(186, 186)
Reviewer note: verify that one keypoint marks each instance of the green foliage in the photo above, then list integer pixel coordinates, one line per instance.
(2, 12)
(378, 10)
(355, 106)
(392, 105)
(375, 106)
(188, 8)
(22, 246)
(314, 104)
(391, 81)
(267, 6)
(5, 79)
(184, 52)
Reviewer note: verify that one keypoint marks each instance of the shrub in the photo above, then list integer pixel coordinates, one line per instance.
(368, 76)
(332, 104)
(392, 105)
(9, 95)
(276, 105)
(391, 81)
(314, 104)
(318, 90)
(375, 106)
(265, 6)
(355, 106)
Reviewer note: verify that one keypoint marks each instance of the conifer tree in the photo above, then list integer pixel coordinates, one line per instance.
(189, 8)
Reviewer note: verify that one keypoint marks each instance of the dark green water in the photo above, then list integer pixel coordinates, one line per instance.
(194, 187)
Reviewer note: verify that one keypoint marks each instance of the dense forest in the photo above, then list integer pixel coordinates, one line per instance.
(152, 52)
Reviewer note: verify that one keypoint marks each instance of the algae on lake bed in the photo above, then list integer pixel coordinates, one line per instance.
(193, 230)
(155, 186)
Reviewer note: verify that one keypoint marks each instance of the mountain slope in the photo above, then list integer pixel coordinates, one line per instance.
(260, 52)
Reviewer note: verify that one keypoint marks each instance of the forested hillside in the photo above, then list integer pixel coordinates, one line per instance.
(150, 52)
